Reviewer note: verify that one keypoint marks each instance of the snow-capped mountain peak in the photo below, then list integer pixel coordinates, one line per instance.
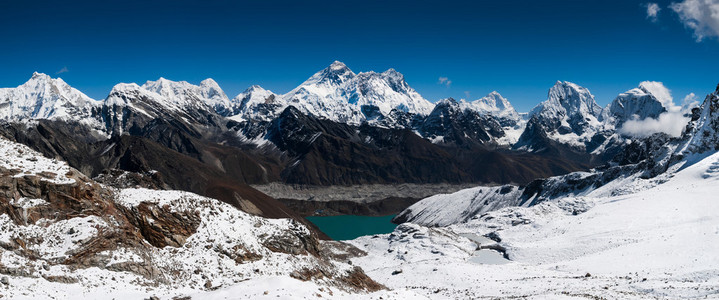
(496, 105)
(570, 116)
(335, 74)
(640, 102)
(570, 99)
(44, 97)
(338, 94)
(338, 65)
(182, 94)
(257, 103)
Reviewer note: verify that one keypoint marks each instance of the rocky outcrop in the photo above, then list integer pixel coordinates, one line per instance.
(67, 228)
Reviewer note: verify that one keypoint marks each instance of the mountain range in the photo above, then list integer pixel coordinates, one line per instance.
(119, 196)
(336, 128)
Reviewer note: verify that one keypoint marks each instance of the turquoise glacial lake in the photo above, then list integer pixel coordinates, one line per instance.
(349, 227)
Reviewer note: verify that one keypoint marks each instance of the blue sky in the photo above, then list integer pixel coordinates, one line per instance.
(519, 48)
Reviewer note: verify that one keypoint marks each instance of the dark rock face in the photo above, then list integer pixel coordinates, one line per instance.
(535, 138)
(87, 198)
(131, 111)
(295, 241)
(459, 127)
(328, 153)
(162, 227)
(124, 179)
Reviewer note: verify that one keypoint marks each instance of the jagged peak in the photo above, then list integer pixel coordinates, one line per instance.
(393, 73)
(337, 65)
(42, 78)
(447, 102)
(163, 82)
(568, 99)
(569, 85)
(563, 91)
(37, 74)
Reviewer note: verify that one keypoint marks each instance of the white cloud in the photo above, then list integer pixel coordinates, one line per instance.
(445, 81)
(63, 70)
(690, 101)
(702, 16)
(671, 123)
(653, 11)
(466, 95)
(662, 93)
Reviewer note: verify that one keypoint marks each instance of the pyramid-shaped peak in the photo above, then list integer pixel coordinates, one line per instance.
(254, 88)
(391, 72)
(337, 65)
(209, 82)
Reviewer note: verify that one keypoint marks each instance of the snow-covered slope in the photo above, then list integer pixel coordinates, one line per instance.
(659, 242)
(43, 97)
(448, 209)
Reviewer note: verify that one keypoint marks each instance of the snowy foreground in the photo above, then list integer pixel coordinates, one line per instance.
(630, 239)
(660, 242)
(64, 236)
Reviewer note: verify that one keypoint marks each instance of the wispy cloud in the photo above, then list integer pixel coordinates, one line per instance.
(653, 11)
(702, 16)
(690, 101)
(466, 95)
(444, 81)
(63, 70)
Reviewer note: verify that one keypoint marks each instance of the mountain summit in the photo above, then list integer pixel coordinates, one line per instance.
(336, 93)
(43, 97)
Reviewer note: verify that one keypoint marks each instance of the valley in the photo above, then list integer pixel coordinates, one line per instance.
(363, 200)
